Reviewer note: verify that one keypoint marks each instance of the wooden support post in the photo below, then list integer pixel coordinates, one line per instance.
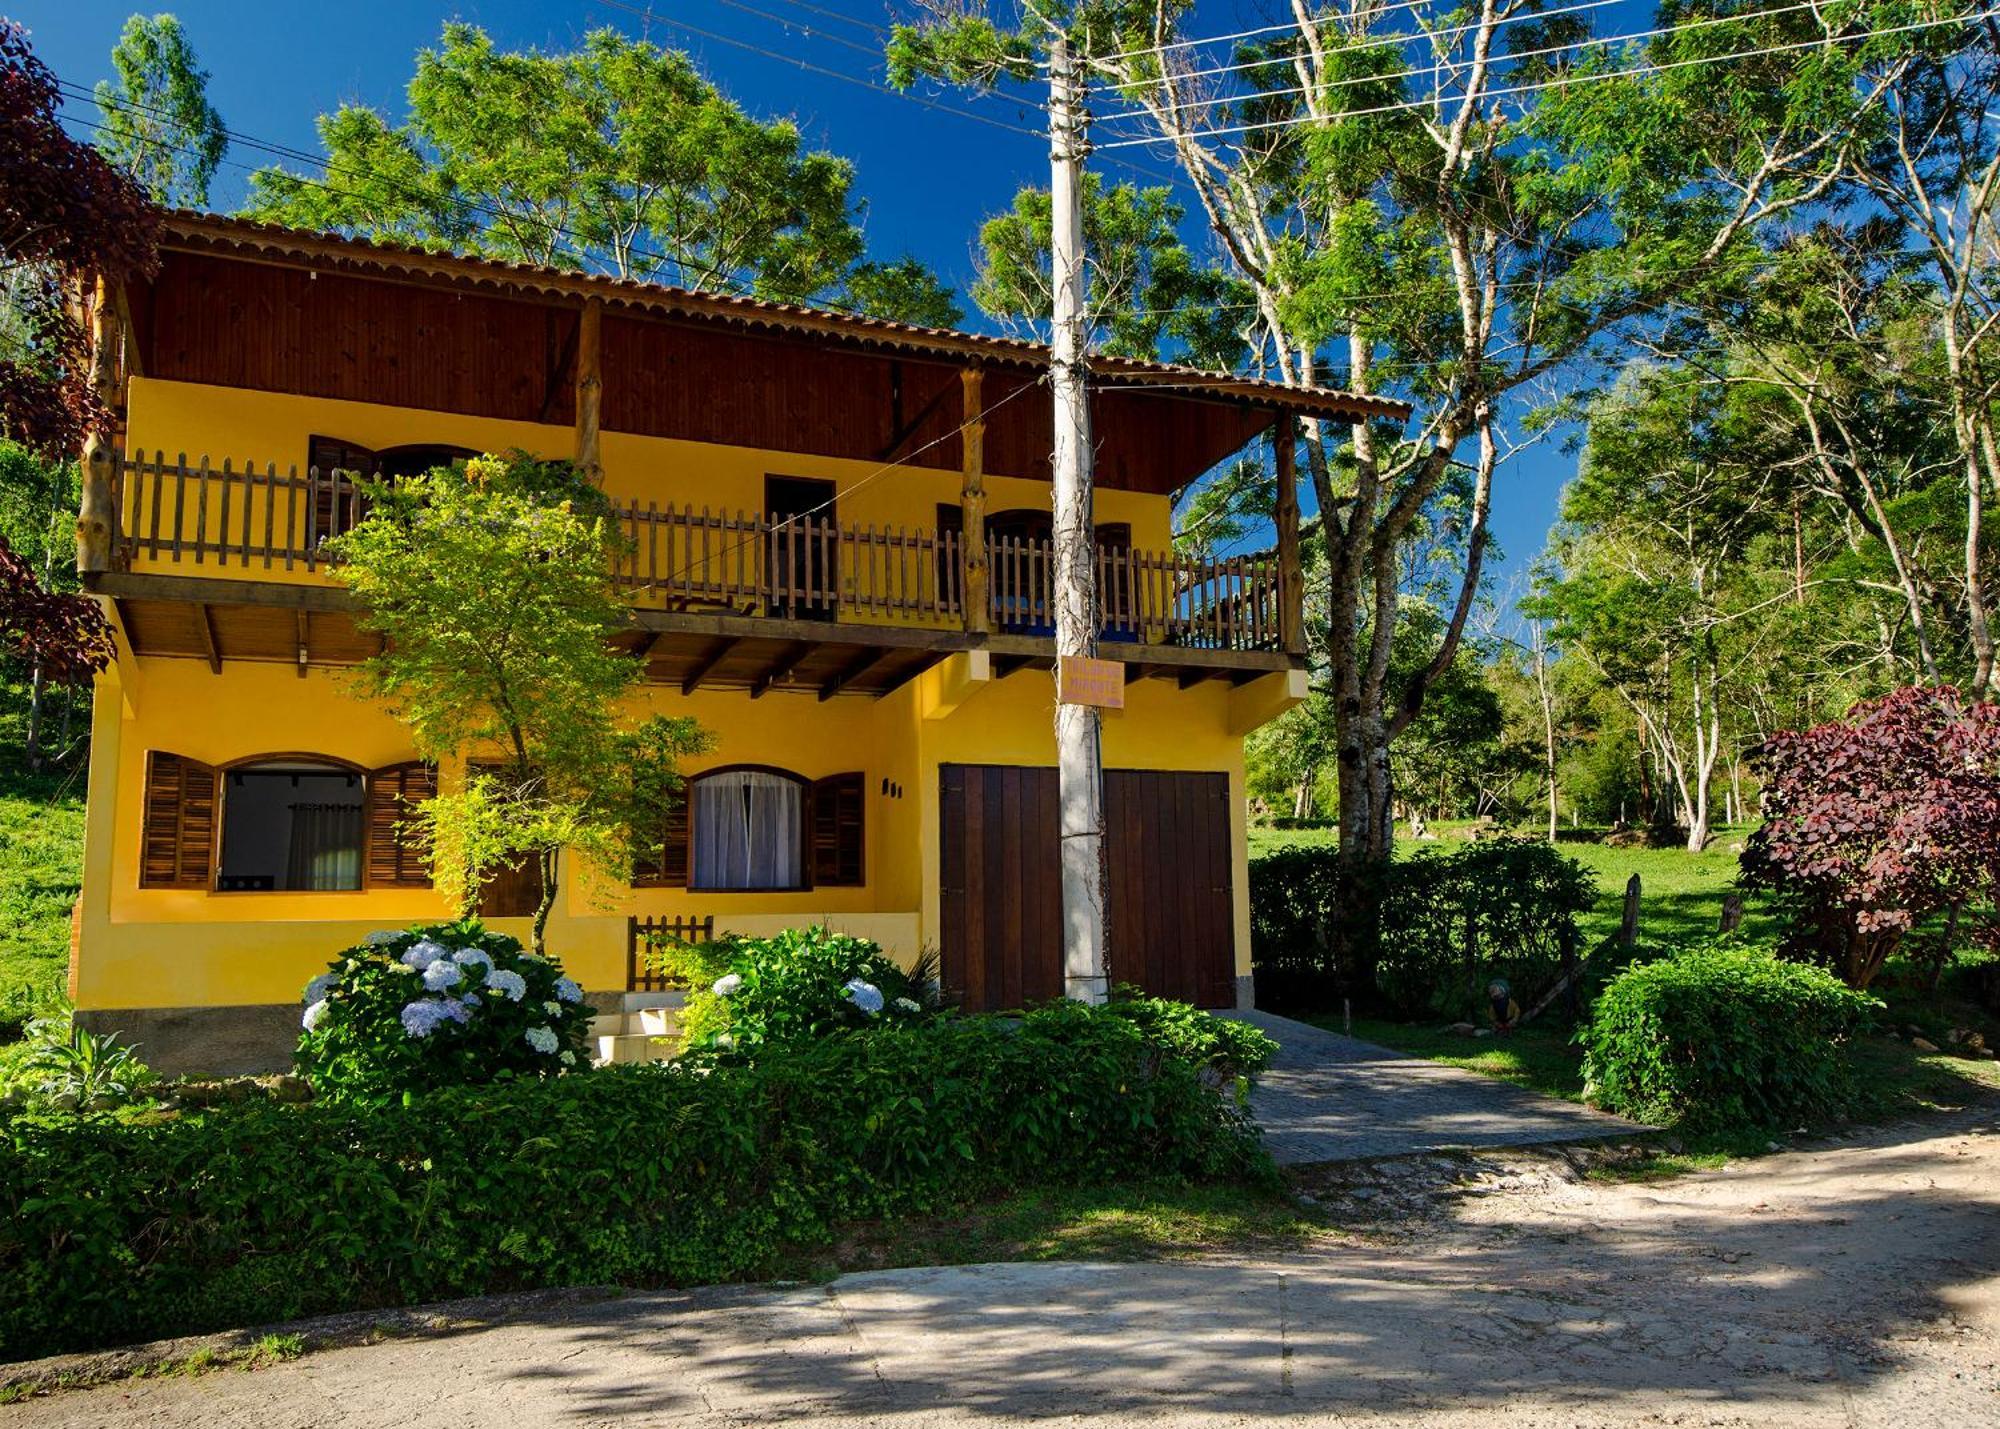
(589, 388)
(1571, 974)
(1732, 913)
(1628, 927)
(97, 515)
(210, 646)
(972, 503)
(1291, 591)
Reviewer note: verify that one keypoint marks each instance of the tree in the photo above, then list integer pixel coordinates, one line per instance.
(1878, 821)
(617, 157)
(904, 291)
(158, 124)
(1410, 221)
(71, 226)
(490, 587)
(1148, 293)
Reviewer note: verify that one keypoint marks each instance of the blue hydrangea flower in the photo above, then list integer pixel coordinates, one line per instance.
(542, 1039)
(382, 937)
(569, 990)
(313, 1014)
(554, 1009)
(512, 984)
(442, 974)
(427, 1014)
(466, 957)
(422, 955)
(864, 995)
(319, 987)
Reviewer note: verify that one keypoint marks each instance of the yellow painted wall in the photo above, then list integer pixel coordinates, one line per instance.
(181, 948)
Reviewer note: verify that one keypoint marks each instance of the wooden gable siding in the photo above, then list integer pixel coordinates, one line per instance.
(285, 330)
(267, 327)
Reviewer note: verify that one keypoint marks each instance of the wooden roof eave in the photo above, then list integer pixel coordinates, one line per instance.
(247, 240)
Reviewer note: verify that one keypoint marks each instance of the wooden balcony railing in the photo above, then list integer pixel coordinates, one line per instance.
(687, 558)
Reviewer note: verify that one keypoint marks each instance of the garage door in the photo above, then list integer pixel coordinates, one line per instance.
(1169, 908)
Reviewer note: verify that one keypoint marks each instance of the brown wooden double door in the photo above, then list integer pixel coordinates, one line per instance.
(1170, 909)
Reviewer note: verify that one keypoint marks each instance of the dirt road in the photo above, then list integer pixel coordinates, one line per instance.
(1849, 1284)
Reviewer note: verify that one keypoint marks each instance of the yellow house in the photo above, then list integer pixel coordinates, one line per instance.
(839, 563)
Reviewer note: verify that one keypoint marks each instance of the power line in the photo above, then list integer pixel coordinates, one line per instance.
(1569, 47)
(1244, 34)
(874, 51)
(1399, 37)
(652, 17)
(1562, 81)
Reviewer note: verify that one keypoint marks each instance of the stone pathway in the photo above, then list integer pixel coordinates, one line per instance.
(1332, 1098)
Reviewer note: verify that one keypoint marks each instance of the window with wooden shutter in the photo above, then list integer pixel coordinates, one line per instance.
(664, 863)
(334, 464)
(394, 859)
(839, 843)
(179, 822)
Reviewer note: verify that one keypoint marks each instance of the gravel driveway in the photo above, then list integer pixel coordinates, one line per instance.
(1851, 1284)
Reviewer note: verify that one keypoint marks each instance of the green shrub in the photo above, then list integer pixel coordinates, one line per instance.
(1217, 1045)
(800, 984)
(1723, 1035)
(448, 1004)
(1450, 922)
(642, 1175)
(71, 1066)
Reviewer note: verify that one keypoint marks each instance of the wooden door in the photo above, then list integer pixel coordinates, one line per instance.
(1169, 909)
(805, 547)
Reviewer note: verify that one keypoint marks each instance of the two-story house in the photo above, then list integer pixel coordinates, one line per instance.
(839, 563)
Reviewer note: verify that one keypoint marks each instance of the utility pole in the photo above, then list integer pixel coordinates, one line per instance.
(1079, 761)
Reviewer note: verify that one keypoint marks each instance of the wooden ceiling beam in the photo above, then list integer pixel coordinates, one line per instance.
(854, 669)
(705, 666)
(903, 677)
(794, 655)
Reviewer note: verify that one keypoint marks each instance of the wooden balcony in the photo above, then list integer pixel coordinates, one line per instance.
(228, 562)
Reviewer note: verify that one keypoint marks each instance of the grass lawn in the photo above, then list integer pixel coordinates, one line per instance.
(41, 863)
(1138, 1220)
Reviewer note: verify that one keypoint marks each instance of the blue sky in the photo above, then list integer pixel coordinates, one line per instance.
(928, 178)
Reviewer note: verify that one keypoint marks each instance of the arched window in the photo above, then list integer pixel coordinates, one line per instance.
(338, 503)
(292, 824)
(747, 828)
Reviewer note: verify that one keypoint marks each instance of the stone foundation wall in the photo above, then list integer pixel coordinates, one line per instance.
(204, 1041)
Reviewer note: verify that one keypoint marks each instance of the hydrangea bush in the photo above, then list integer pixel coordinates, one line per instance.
(448, 1004)
(794, 986)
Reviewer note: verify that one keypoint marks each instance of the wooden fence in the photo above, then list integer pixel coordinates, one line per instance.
(252, 519)
(644, 934)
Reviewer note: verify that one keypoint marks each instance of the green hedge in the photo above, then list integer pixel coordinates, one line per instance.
(112, 1233)
(1450, 920)
(1723, 1035)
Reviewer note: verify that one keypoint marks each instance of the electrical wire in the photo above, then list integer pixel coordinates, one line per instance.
(1561, 81)
(1576, 47)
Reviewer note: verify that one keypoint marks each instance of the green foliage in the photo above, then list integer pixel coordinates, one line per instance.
(617, 156)
(158, 124)
(1218, 1045)
(797, 985)
(629, 1175)
(1723, 1034)
(70, 1066)
(490, 584)
(1451, 921)
(904, 291)
(1149, 295)
(444, 1005)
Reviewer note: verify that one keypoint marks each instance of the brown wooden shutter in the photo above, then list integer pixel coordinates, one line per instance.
(394, 861)
(665, 863)
(337, 505)
(839, 843)
(179, 825)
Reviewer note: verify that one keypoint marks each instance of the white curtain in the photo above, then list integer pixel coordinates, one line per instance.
(748, 830)
(326, 847)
